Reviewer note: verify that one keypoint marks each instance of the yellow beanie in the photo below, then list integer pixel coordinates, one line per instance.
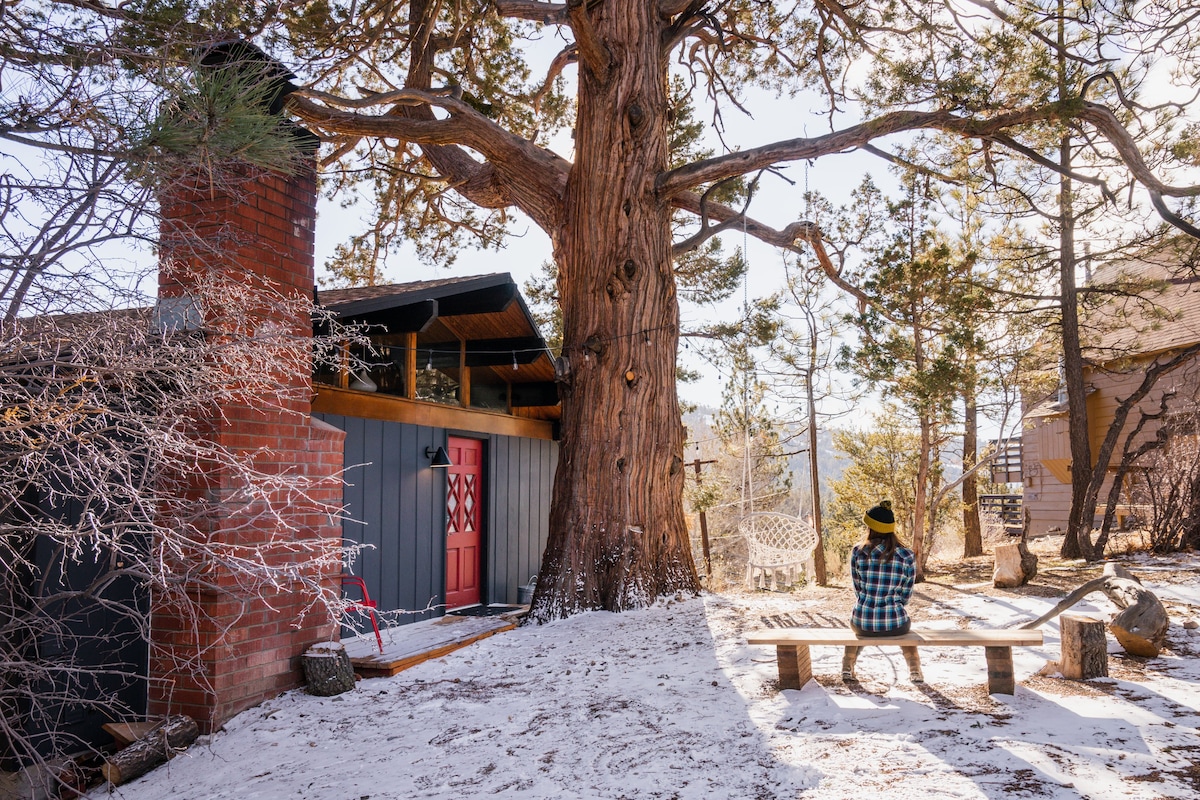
(880, 518)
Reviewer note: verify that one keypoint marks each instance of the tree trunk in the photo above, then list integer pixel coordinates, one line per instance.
(920, 498)
(972, 530)
(1077, 542)
(1084, 648)
(814, 473)
(159, 745)
(618, 537)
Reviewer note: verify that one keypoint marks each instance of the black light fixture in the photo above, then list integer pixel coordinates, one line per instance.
(439, 458)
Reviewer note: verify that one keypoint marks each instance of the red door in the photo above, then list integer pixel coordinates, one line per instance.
(464, 551)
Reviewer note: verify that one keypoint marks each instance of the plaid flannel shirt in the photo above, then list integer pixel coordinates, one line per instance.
(881, 588)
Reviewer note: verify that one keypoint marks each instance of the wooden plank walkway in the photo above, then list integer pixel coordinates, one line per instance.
(406, 646)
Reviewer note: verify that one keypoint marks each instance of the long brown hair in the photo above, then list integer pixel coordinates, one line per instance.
(890, 542)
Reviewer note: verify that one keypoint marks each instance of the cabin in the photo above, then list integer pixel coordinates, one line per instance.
(438, 435)
(451, 416)
(1127, 335)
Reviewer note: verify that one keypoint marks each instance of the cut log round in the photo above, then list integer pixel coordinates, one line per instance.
(1084, 648)
(158, 745)
(327, 669)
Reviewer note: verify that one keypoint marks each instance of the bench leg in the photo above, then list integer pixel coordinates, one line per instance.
(1000, 670)
(795, 665)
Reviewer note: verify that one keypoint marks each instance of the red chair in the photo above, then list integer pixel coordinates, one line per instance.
(366, 603)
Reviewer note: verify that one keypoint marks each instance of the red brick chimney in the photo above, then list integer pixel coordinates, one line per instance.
(252, 234)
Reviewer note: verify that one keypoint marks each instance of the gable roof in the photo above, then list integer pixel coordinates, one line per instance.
(413, 307)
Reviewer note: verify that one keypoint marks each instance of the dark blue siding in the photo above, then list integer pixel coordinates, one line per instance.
(520, 473)
(396, 504)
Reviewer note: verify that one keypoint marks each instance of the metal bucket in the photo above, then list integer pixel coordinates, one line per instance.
(525, 593)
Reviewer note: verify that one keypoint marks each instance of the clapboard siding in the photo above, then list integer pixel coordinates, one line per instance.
(1047, 444)
(396, 504)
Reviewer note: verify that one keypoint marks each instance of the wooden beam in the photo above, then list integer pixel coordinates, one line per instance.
(795, 665)
(332, 400)
(410, 366)
(464, 376)
(1000, 670)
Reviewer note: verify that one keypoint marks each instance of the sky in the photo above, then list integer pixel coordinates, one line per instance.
(671, 703)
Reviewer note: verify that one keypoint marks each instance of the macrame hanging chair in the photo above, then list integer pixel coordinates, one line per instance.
(777, 544)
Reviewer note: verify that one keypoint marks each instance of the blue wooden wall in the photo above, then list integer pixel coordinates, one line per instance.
(396, 504)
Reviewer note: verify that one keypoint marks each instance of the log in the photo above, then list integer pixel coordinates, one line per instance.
(156, 747)
(327, 669)
(1015, 565)
(1141, 625)
(126, 733)
(1084, 648)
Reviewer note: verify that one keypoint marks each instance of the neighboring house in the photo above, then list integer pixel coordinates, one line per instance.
(1127, 336)
(456, 364)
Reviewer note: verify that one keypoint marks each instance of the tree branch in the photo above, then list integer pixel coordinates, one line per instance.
(802, 231)
(1102, 119)
(1054, 166)
(532, 10)
(592, 52)
(517, 172)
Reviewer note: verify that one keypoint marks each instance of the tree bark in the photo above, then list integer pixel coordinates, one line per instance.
(327, 669)
(159, 745)
(814, 473)
(618, 537)
(1084, 649)
(972, 530)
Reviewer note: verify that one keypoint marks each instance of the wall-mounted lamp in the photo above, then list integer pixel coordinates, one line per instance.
(439, 458)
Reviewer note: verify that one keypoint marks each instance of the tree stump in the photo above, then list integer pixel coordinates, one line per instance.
(156, 747)
(1015, 565)
(1084, 648)
(327, 669)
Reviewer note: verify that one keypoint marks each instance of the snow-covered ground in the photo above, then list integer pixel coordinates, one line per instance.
(672, 703)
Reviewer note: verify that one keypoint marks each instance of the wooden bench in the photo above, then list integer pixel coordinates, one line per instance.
(795, 664)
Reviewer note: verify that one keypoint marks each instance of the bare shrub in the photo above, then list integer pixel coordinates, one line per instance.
(106, 424)
(1168, 486)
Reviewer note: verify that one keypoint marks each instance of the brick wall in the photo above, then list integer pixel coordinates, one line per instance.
(250, 240)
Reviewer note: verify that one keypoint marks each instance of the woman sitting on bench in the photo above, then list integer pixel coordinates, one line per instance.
(882, 570)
